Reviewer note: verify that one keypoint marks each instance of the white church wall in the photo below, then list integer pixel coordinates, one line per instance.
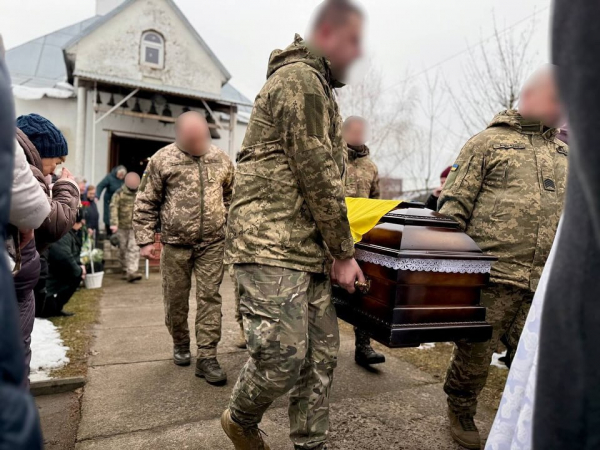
(114, 50)
(61, 112)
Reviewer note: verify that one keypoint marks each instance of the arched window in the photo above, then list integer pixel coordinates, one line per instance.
(152, 51)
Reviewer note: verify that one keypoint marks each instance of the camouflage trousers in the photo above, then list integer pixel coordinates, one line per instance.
(178, 264)
(129, 251)
(506, 307)
(236, 293)
(293, 341)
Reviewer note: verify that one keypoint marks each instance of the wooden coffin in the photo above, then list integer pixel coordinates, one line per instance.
(425, 279)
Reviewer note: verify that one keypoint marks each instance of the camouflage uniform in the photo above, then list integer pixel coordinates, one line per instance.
(362, 180)
(121, 216)
(506, 190)
(236, 293)
(190, 195)
(287, 212)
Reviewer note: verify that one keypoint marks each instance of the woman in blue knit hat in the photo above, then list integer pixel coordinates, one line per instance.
(45, 148)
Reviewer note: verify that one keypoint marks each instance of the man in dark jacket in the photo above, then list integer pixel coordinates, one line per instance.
(111, 183)
(19, 421)
(90, 212)
(433, 198)
(65, 271)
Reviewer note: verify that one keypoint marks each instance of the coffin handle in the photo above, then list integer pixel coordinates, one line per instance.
(363, 288)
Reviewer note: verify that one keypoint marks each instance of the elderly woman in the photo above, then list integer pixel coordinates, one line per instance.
(111, 183)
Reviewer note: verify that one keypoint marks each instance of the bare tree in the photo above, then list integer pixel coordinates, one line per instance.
(389, 115)
(493, 76)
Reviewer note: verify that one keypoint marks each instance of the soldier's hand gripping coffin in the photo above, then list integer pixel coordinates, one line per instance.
(425, 277)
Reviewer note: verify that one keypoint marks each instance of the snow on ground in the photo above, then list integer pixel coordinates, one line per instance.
(497, 363)
(47, 350)
(426, 346)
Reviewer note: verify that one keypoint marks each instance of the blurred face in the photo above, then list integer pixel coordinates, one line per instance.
(340, 43)
(193, 135)
(354, 133)
(442, 181)
(132, 181)
(49, 165)
(121, 174)
(91, 194)
(539, 101)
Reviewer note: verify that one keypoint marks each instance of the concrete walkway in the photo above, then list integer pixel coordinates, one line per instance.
(136, 398)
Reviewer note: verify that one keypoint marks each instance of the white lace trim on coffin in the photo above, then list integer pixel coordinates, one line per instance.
(425, 265)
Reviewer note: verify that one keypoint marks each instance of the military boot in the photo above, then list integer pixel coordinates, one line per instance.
(464, 431)
(133, 277)
(210, 370)
(242, 438)
(181, 355)
(364, 355)
(241, 343)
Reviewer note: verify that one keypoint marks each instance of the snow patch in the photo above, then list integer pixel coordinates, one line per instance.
(426, 346)
(497, 363)
(47, 350)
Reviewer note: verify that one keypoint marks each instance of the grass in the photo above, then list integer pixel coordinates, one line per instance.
(434, 361)
(76, 331)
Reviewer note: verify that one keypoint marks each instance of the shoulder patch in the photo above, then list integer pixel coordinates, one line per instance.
(454, 168)
(314, 108)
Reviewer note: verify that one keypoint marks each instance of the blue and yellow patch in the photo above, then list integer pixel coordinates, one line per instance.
(454, 168)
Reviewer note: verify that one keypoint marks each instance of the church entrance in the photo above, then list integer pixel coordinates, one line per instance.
(133, 152)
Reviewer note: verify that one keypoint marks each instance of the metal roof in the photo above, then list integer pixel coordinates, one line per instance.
(40, 63)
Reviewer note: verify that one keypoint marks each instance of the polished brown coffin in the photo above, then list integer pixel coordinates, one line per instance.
(425, 279)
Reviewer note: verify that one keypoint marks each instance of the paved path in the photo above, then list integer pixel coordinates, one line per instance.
(136, 398)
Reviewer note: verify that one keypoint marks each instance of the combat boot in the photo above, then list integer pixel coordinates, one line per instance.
(464, 431)
(210, 370)
(241, 343)
(365, 356)
(181, 355)
(242, 438)
(133, 277)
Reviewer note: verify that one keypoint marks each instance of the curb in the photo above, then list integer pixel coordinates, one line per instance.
(57, 386)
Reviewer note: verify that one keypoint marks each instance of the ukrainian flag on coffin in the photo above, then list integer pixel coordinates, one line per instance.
(365, 213)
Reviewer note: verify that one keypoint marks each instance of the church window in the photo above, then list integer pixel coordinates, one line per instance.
(152, 49)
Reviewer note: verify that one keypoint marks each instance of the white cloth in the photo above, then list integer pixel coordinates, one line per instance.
(29, 205)
(512, 428)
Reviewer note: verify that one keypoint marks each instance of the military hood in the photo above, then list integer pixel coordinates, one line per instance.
(299, 51)
(511, 118)
(357, 151)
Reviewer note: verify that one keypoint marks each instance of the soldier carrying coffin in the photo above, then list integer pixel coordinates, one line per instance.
(506, 190)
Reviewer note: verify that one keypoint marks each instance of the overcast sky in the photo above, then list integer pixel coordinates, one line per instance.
(406, 35)
(403, 36)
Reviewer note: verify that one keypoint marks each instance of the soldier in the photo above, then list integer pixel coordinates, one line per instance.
(121, 222)
(187, 185)
(362, 180)
(287, 213)
(506, 191)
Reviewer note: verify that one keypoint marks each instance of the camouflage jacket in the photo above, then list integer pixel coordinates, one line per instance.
(506, 189)
(121, 208)
(190, 195)
(362, 177)
(288, 204)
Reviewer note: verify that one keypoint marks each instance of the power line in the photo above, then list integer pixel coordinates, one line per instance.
(467, 49)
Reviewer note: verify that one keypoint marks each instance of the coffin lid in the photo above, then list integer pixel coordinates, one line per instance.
(413, 231)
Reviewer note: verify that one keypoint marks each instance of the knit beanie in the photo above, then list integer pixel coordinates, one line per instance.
(48, 140)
